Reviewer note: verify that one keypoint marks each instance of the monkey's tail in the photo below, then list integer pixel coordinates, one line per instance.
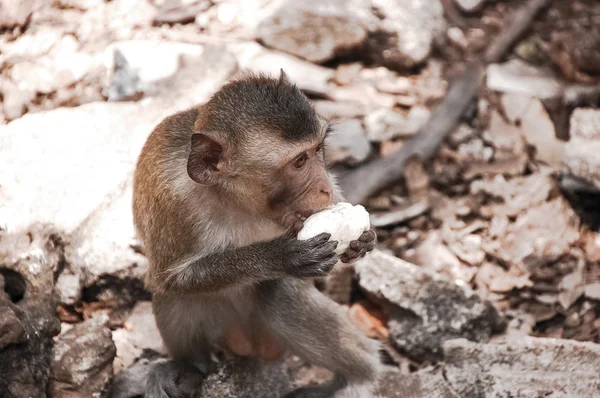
(173, 379)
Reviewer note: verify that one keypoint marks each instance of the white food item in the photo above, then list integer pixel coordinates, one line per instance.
(343, 221)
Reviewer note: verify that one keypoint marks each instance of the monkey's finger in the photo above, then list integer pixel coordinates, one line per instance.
(329, 264)
(369, 246)
(368, 236)
(298, 225)
(321, 238)
(357, 245)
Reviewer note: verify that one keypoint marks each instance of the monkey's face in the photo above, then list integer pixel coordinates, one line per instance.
(300, 185)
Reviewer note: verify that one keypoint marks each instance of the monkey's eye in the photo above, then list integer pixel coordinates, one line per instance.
(300, 161)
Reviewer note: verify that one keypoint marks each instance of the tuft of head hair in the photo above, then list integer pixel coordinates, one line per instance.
(255, 103)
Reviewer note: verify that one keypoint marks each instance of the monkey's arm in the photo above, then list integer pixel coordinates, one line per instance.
(284, 256)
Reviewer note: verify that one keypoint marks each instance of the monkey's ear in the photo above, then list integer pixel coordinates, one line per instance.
(283, 78)
(204, 160)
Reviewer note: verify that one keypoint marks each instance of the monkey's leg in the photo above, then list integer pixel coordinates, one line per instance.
(320, 332)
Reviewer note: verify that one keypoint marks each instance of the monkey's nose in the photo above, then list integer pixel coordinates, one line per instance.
(327, 192)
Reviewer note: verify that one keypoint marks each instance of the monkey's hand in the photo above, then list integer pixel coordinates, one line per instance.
(312, 258)
(358, 248)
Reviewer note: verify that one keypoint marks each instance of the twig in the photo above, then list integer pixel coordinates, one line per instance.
(364, 181)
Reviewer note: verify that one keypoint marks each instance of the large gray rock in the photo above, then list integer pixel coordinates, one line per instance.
(72, 167)
(314, 30)
(529, 367)
(82, 360)
(426, 308)
(28, 261)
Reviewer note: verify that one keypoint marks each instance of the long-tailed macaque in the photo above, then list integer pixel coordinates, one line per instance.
(220, 191)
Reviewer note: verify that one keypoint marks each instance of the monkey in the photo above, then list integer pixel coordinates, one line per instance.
(220, 191)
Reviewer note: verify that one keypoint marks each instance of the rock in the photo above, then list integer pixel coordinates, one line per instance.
(585, 123)
(397, 216)
(434, 255)
(173, 12)
(538, 129)
(339, 109)
(385, 124)
(348, 143)
(497, 280)
(422, 384)
(309, 77)
(246, 379)
(517, 77)
(582, 149)
(17, 12)
(62, 66)
(112, 21)
(427, 308)
(368, 96)
(527, 367)
(571, 286)
(103, 246)
(81, 4)
(469, 5)
(82, 362)
(508, 142)
(517, 194)
(313, 30)
(141, 56)
(139, 335)
(543, 232)
(592, 290)
(126, 84)
(35, 43)
(395, 85)
(15, 100)
(68, 286)
(404, 37)
(28, 261)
